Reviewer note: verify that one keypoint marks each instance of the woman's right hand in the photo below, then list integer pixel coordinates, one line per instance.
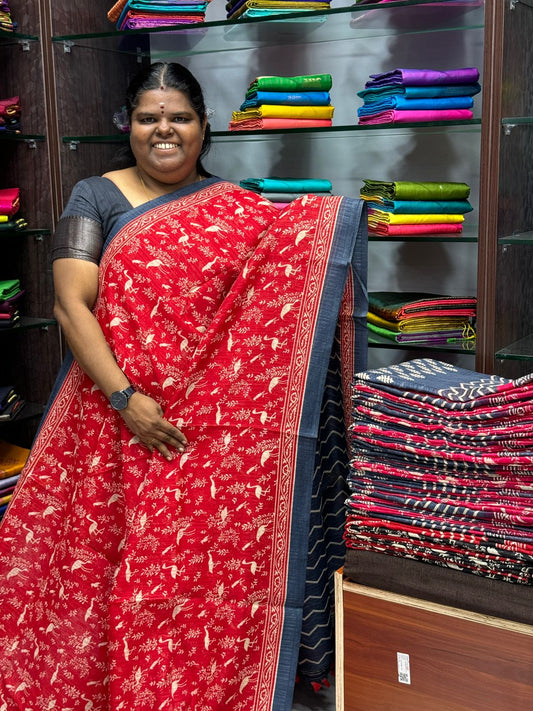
(144, 417)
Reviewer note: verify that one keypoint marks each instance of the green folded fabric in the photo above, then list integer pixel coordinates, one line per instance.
(405, 190)
(8, 288)
(305, 82)
(287, 185)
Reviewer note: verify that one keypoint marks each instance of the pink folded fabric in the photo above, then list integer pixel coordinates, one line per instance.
(266, 123)
(417, 116)
(9, 201)
(414, 229)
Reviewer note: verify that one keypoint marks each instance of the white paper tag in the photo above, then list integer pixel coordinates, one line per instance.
(404, 670)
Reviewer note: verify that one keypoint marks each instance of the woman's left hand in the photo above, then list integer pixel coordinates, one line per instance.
(144, 417)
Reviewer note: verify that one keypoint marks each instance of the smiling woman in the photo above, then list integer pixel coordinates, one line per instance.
(170, 489)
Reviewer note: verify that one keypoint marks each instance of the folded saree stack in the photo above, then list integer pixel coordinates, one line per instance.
(10, 295)
(416, 317)
(11, 403)
(244, 9)
(9, 206)
(419, 95)
(10, 114)
(415, 208)
(282, 191)
(442, 468)
(12, 460)
(7, 24)
(146, 14)
(275, 102)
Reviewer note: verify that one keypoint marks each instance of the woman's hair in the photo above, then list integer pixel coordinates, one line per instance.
(171, 75)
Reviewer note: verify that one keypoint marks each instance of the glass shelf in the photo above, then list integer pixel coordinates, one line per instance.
(7, 38)
(22, 137)
(29, 322)
(333, 25)
(519, 350)
(518, 238)
(26, 232)
(471, 125)
(468, 347)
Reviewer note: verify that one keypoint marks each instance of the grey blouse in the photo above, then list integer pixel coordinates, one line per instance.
(89, 216)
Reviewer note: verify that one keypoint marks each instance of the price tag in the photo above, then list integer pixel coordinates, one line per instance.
(404, 670)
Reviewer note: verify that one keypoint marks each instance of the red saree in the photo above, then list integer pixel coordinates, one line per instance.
(132, 583)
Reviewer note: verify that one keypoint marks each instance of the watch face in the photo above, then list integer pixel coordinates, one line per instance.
(118, 400)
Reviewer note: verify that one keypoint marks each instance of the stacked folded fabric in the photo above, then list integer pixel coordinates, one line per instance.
(410, 208)
(418, 95)
(282, 191)
(442, 468)
(11, 403)
(10, 295)
(241, 9)
(10, 115)
(7, 24)
(285, 102)
(12, 460)
(9, 206)
(139, 14)
(416, 317)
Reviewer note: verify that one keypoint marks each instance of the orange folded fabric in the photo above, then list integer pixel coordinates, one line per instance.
(116, 10)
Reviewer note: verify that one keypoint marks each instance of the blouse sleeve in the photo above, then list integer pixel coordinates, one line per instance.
(79, 232)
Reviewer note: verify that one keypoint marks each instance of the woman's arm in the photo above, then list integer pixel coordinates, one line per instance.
(76, 288)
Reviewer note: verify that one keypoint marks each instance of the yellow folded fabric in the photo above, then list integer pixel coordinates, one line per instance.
(376, 217)
(12, 458)
(271, 111)
(418, 324)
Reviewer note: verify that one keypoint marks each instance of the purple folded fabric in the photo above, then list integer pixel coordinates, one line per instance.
(423, 77)
(417, 116)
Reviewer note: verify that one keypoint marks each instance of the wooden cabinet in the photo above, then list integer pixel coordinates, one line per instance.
(30, 351)
(402, 653)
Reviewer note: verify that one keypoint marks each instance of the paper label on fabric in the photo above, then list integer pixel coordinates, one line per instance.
(404, 670)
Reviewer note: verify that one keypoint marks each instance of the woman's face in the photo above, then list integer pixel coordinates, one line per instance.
(166, 136)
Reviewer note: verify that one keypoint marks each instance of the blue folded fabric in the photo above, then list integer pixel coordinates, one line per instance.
(303, 98)
(402, 104)
(419, 92)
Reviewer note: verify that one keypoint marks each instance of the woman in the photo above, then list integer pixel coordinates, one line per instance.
(154, 554)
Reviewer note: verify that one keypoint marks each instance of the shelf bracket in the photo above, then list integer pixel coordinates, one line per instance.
(25, 45)
(31, 143)
(73, 145)
(508, 127)
(514, 3)
(67, 46)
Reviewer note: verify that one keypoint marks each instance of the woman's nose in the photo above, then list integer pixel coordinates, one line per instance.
(164, 127)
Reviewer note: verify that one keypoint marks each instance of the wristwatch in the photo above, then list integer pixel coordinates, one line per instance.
(120, 398)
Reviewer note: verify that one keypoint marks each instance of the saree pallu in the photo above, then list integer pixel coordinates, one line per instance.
(131, 582)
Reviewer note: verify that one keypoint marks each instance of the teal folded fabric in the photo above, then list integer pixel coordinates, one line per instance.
(286, 185)
(422, 207)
